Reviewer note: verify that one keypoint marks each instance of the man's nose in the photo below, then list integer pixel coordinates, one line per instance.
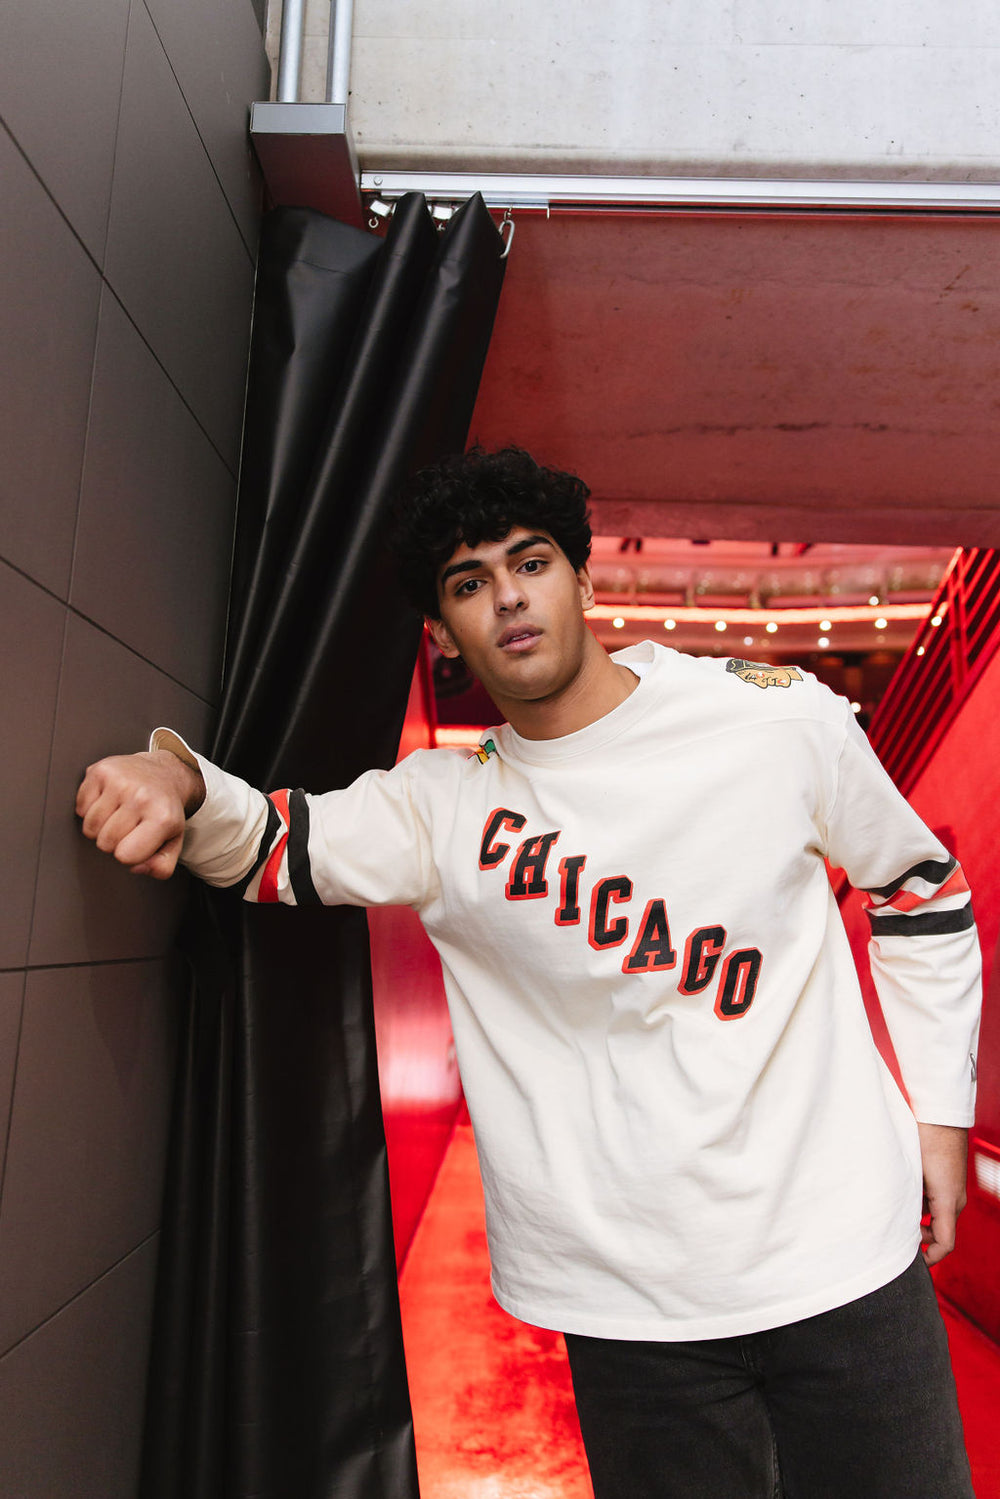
(509, 593)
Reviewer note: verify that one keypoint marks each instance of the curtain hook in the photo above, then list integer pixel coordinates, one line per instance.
(379, 212)
(507, 222)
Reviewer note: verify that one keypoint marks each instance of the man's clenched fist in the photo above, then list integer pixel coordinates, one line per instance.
(134, 807)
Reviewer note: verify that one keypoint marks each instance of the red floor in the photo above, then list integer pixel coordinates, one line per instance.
(492, 1405)
(976, 1359)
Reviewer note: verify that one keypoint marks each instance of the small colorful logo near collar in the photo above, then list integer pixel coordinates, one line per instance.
(484, 751)
(763, 675)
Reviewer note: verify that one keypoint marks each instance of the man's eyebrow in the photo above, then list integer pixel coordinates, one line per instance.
(469, 566)
(529, 541)
(472, 563)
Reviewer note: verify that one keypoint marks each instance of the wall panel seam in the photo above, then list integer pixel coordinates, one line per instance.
(146, 660)
(82, 1292)
(49, 194)
(208, 155)
(173, 383)
(13, 1090)
(45, 799)
(106, 286)
(155, 957)
(114, 153)
(86, 440)
(209, 702)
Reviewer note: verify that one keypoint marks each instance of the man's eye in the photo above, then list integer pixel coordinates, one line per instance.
(468, 585)
(532, 565)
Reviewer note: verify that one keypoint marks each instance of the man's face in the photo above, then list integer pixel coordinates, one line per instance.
(513, 610)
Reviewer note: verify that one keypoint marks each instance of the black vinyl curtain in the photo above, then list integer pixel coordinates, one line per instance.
(277, 1369)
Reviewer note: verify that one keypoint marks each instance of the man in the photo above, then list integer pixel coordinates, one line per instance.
(695, 1163)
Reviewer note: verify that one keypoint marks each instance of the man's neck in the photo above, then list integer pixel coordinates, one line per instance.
(598, 687)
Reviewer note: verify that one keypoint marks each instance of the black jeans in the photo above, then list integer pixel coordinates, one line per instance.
(857, 1403)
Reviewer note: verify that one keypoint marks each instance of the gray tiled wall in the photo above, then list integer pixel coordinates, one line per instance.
(127, 242)
(48, 323)
(71, 1393)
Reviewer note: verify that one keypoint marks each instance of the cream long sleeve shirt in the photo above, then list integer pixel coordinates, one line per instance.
(684, 1127)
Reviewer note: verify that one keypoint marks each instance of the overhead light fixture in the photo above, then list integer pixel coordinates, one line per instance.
(921, 650)
(825, 626)
(935, 620)
(881, 624)
(618, 622)
(771, 627)
(855, 707)
(823, 642)
(874, 600)
(748, 640)
(750, 618)
(720, 624)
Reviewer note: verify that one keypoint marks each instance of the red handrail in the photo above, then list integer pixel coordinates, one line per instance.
(941, 666)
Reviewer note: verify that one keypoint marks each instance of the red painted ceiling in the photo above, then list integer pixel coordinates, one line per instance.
(762, 377)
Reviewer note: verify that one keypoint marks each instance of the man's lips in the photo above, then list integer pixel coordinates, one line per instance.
(518, 637)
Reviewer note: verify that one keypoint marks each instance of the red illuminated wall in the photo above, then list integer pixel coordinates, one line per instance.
(417, 1073)
(959, 796)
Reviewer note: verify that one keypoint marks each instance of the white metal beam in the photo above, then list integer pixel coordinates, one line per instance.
(502, 190)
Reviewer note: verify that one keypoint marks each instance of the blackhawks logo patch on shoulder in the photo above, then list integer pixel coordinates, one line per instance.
(483, 753)
(763, 675)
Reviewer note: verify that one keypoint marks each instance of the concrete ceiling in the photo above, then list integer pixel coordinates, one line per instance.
(770, 377)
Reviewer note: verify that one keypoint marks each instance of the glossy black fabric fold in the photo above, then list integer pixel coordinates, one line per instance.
(277, 1368)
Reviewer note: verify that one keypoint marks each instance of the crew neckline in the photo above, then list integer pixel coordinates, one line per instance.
(643, 659)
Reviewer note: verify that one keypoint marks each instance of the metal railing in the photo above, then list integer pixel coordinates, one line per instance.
(941, 667)
(338, 56)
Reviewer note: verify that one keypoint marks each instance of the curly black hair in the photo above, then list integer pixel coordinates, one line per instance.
(478, 496)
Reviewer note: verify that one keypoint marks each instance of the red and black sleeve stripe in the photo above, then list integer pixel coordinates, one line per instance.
(909, 906)
(299, 871)
(286, 832)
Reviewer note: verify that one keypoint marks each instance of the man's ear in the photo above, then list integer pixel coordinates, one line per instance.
(441, 636)
(586, 586)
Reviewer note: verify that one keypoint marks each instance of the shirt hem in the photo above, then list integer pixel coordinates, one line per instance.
(665, 1329)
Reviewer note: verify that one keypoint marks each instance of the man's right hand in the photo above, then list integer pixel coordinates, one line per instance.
(134, 807)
